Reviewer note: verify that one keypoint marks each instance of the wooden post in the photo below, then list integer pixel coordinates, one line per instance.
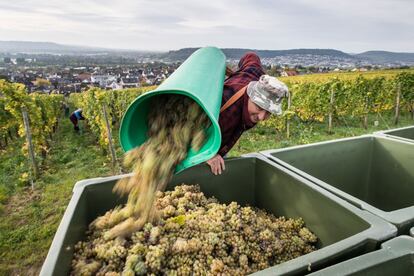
(397, 105)
(287, 119)
(108, 131)
(30, 144)
(331, 102)
(366, 114)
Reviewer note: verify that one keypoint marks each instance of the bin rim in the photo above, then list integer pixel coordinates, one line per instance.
(365, 136)
(388, 134)
(394, 129)
(80, 185)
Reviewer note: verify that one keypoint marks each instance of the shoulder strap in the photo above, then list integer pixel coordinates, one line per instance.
(233, 98)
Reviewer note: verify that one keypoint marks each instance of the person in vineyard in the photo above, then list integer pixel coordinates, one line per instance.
(75, 117)
(249, 96)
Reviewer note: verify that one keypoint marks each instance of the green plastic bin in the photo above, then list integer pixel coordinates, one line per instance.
(201, 78)
(403, 133)
(373, 173)
(396, 257)
(344, 230)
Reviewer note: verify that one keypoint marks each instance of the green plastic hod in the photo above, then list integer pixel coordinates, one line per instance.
(201, 78)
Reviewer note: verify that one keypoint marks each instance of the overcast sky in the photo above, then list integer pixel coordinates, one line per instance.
(352, 26)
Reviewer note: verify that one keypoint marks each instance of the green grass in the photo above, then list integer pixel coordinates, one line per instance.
(261, 138)
(29, 219)
(12, 164)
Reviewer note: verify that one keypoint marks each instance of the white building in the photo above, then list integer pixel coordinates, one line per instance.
(103, 80)
(114, 86)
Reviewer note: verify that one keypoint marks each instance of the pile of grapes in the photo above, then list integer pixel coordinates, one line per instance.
(195, 235)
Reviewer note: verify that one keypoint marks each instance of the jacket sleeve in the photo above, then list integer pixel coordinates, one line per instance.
(224, 149)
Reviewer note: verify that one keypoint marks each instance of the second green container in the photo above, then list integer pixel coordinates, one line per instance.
(374, 173)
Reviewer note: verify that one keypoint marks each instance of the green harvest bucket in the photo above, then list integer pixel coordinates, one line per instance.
(201, 78)
(396, 257)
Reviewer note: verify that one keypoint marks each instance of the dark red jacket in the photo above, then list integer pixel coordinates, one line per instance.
(235, 120)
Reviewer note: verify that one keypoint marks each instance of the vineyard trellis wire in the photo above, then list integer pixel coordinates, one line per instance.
(353, 97)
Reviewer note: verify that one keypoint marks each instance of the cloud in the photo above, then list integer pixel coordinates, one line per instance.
(352, 25)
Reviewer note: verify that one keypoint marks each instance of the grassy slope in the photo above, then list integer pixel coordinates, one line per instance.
(29, 219)
(260, 138)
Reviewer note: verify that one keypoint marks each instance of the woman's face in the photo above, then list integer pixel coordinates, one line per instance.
(256, 113)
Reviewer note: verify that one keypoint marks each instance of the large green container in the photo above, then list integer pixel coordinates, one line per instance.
(201, 78)
(396, 257)
(374, 173)
(344, 230)
(404, 133)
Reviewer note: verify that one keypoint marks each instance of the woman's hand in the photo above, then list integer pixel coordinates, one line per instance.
(216, 164)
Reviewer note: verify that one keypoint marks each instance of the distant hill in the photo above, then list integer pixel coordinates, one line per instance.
(44, 47)
(235, 53)
(384, 57)
(297, 55)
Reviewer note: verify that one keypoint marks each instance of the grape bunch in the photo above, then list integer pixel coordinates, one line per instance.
(195, 235)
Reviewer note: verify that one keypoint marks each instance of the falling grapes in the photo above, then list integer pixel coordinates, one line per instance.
(172, 122)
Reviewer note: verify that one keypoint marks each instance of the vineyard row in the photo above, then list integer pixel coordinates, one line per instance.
(309, 101)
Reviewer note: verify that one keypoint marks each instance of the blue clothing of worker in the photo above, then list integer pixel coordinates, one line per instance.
(78, 114)
(75, 117)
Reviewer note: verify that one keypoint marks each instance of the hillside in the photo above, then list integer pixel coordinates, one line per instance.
(236, 53)
(296, 56)
(43, 47)
(384, 56)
